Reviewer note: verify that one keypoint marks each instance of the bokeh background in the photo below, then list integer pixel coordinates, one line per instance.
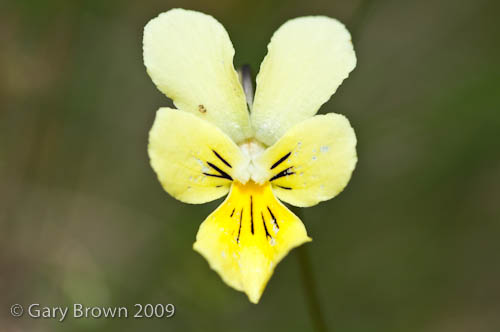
(412, 244)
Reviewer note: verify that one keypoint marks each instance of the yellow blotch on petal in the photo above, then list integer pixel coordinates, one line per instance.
(247, 236)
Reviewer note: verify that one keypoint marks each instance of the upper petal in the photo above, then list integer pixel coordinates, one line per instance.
(189, 57)
(307, 60)
(312, 162)
(194, 160)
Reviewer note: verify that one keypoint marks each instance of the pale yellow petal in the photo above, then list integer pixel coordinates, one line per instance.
(312, 162)
(189, 57)
(307, 60)
(247, 236)
(194, 160)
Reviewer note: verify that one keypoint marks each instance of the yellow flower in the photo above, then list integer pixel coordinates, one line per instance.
(212, 145)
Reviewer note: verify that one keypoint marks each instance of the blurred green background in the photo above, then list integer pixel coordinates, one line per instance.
(412, 244)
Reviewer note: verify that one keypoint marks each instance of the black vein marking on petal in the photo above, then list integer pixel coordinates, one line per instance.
(251, 213)
(221, 174)
(232, 213)
(264, 223)
(283, 173)
(282, 159)
(222, 159)
(273, 217)
(220, 185)
(286, 188)
(239, 229)
(216, 176)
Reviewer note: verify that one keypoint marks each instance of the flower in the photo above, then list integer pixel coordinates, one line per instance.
(212, 145)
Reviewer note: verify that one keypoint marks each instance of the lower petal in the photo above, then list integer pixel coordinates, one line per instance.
(247, 236)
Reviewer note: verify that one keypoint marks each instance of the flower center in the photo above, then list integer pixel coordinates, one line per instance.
(252, 149)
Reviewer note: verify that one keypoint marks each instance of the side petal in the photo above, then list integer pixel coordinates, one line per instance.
(307, 60)
(247, 236)
(194, 160)
(312, 162)
(189, 57)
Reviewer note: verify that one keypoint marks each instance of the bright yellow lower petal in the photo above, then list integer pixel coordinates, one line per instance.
(194, 160)
(189, 57)
(246, 237)
(312, 162)
(307, 60)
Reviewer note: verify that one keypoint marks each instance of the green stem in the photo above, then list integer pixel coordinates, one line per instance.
(309, 284)
(305, 266)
